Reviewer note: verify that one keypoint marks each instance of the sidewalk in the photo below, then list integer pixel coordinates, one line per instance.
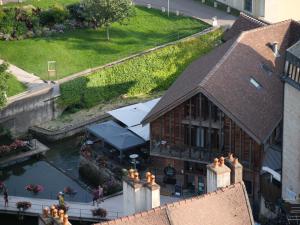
(31, 81)
(192, 8)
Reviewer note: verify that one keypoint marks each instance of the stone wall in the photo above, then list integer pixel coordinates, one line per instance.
(32, 109)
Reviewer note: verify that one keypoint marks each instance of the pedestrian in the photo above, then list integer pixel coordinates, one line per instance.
(100, 192)
(5, 195)
(95, 196)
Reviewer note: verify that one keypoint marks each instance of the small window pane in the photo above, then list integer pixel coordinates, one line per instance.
(248, 5)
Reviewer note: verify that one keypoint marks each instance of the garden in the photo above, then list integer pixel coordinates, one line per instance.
(37, 34)
(145, 75)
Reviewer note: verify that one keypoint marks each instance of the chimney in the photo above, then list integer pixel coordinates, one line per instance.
(218, 175)
(275, 49)
(140, 194)
(236, 169)
(53, 216)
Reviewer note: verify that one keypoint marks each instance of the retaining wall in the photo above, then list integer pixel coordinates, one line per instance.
(32, 109)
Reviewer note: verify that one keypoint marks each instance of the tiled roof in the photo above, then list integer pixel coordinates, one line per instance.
(243, 23)
(227, 206)
(225, 74)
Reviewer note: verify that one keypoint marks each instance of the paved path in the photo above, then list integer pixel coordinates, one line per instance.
(192, 8)
(114, 206)
(31, 81)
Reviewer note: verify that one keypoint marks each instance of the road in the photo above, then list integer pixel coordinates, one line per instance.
(192, 8)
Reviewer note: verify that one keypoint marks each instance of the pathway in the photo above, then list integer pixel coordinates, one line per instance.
(192, 8)
(31, 81)
(77, 210)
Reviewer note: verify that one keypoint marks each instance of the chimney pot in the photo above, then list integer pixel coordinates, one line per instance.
(136, 176)
(216, 161)
(66, 220)
(230, 156)
(236, 161)
(55, 213)
(46, 212)
(152, 179)
(222, 161)
(131, 173)
(148, 177)
(52, 210)
(61, 215)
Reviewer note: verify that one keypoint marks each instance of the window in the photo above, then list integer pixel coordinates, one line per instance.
(248, 5)
(255, 83)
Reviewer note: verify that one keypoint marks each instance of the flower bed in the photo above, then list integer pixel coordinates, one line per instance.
(34, 188)
(23, 205)
(8, 149)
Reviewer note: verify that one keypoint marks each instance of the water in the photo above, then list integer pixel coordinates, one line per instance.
(63, 155)
(16, 177)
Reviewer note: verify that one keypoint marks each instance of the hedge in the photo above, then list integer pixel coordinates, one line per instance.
(144, 75)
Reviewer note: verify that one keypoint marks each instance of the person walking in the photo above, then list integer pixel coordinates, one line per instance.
(100, 191)
(95, 196)
(5, 196)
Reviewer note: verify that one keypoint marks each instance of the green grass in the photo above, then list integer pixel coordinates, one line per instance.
(14, 86)
(81, 49)
(151, 73)
(44, 4)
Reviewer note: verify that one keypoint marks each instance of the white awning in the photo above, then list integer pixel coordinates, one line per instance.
(133, 115)
(141, 131)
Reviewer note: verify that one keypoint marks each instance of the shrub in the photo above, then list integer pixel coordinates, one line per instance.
(23, 205)
(56, 14)
(147, 74)
(76, 12)
(99, 212)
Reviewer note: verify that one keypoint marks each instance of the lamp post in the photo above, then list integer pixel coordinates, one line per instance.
(168, 7)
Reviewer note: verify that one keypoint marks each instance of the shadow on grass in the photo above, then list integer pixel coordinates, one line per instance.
(77, 94)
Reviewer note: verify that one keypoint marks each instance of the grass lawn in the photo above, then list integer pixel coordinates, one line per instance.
(81, 49)
(42, 3)
(14, 86)
(142, 76)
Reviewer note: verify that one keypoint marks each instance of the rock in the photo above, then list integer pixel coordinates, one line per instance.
(7, 37)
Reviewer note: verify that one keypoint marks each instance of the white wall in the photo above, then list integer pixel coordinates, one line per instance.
(291, 143)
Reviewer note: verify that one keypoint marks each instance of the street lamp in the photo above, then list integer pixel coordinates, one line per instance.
(168, 7)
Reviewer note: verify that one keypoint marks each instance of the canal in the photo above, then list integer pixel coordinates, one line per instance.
(58, 170)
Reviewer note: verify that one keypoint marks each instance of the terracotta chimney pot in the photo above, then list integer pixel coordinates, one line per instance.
(46, 212)
(216, 161)
(55, 213)
(222, 160)
(52, 210)
(136, 176)
(131, 173)
(66, 220)
(235, 161)
(230, 156)
(152, 179)
(61, 215)
(148, 177)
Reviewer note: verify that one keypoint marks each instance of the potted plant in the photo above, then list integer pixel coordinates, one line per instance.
(23, 205)
(99, 212)
(34, 188)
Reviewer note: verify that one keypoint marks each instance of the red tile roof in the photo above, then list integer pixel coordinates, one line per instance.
(227, 206)
(224, 77)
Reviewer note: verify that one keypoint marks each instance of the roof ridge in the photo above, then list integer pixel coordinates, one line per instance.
(253, 19)
(268, 26)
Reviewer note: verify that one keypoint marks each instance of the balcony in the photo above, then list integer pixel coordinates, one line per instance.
(195, 154)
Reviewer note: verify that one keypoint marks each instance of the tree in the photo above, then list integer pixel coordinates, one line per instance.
(3, 84)
(105, 12)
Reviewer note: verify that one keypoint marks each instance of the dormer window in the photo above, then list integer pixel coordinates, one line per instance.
(255, 83)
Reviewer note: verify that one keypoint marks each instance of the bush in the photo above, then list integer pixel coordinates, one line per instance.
(144, 75)
(56, 14)
(76, 12)
(99, 212)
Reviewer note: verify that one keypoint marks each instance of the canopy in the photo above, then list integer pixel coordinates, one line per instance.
(115, 135)
(132, 116)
